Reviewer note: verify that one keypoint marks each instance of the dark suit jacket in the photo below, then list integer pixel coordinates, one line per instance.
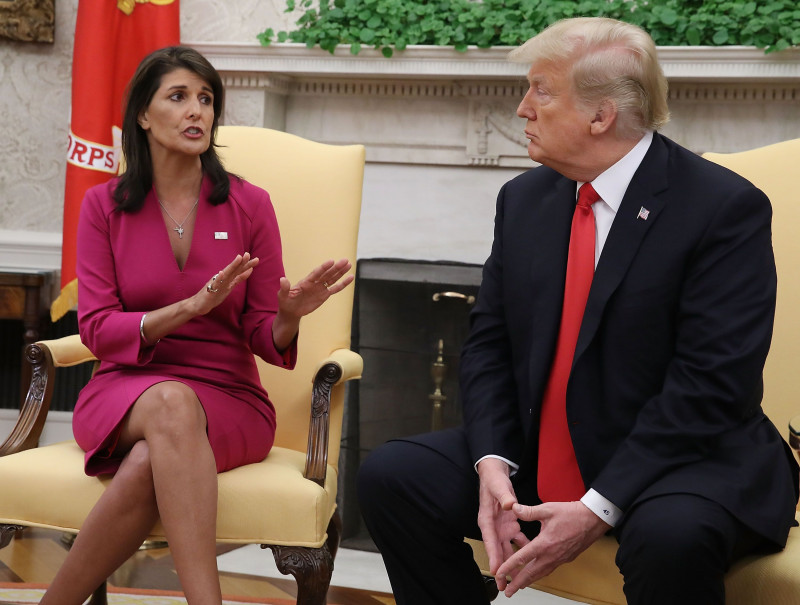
(665, 390)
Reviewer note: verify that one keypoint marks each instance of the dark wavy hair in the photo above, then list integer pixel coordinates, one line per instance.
(135, 183)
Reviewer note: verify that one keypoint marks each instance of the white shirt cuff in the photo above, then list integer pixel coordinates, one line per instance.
(601, 507)
(512, 467)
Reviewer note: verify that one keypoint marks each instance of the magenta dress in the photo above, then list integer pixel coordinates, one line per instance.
(126, 267)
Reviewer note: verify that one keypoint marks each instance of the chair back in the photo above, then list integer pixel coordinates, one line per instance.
(771, 169)
(316, 191)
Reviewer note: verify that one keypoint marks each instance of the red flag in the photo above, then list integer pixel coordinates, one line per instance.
(111, 38)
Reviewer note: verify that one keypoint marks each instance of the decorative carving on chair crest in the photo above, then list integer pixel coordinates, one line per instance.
(35, 356)
(326, 377)
(26, 432)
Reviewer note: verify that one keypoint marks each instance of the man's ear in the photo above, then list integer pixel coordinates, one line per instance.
(604, 118)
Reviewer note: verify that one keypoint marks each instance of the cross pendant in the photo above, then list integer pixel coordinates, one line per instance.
(180, 232)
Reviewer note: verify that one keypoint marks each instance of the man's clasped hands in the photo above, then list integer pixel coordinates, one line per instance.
(567, 529)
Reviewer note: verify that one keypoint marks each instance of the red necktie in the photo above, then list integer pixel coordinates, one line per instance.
(559, 479)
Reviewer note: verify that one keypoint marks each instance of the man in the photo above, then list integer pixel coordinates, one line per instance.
(627, 401)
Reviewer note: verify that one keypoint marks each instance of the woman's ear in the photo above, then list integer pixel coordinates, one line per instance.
(143, 121)
(604, 118)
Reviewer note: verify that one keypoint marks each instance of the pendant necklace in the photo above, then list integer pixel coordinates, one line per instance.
(179, 229)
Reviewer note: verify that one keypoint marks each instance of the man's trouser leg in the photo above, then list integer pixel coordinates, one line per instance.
(419, 498)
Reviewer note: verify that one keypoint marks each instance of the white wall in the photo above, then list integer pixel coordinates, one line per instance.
(405, 215)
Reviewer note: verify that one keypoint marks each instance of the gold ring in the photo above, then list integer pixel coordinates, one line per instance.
(325, 284)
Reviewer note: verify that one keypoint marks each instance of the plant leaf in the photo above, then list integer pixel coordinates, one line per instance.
(720, 37)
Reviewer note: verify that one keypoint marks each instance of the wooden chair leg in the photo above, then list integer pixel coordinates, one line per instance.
(334, 534)
(311, 567)
(7, 532)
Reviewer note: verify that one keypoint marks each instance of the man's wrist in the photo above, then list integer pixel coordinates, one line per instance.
(512, 466)
(602, 507)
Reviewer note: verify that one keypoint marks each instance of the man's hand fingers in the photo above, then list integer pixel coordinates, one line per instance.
(518, 568)
(521, 540)
(530, 513)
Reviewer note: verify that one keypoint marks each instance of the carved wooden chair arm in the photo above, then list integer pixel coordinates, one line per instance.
(44, 356)
(342, 365)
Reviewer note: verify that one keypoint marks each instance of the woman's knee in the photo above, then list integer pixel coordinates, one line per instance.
(170, 407)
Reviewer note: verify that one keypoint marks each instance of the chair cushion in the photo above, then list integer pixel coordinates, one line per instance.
(593, 576)
(269, 502)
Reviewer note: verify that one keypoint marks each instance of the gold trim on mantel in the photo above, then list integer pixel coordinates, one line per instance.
(680, 63)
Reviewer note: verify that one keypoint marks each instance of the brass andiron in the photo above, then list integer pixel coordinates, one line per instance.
(438, 368)
(469, 299)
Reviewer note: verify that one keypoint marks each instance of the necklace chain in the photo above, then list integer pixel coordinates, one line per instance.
(179, 229)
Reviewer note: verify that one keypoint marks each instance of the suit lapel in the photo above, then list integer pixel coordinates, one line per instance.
(549, 232)
(627, 232)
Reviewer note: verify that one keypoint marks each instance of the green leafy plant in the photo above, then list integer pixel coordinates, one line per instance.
(390, 25)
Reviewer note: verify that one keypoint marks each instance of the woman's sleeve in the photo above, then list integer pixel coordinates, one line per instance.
(110, 332)
(261, 304)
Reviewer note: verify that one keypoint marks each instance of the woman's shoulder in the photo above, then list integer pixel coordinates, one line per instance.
(101, 196)
(243, 187)
(250, 198)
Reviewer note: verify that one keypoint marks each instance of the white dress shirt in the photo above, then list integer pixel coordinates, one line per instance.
(610, 186)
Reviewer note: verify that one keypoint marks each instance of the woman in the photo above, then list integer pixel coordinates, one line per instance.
(181, 282)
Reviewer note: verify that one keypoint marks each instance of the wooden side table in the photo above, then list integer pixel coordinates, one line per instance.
(26, 295)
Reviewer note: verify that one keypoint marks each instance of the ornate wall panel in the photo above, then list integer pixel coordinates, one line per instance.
(34, 111)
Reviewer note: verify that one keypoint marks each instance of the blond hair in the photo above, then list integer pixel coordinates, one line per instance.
(607, 60)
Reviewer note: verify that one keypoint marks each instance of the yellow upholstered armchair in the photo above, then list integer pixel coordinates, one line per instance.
(769, 580)
(287, 501)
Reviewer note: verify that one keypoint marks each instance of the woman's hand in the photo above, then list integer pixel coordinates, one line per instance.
(222, 284)
(309, 293)
(166, 320)
(306, 296)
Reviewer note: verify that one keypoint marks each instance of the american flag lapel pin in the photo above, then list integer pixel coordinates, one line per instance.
(643, 213)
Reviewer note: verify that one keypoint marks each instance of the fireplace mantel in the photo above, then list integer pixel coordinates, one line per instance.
(459, 109)
(680, 63)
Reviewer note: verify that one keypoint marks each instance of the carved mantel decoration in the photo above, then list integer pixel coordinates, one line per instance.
(28, 20)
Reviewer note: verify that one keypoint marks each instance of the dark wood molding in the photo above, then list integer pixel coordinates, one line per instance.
(25, 434)
(319, 427)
